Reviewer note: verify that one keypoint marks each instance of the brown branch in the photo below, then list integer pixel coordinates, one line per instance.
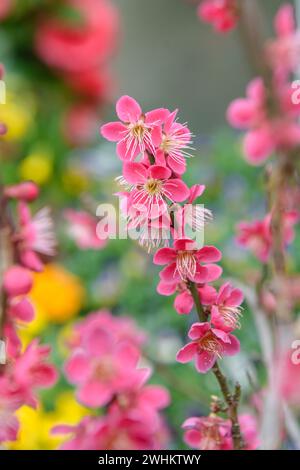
(232, 399)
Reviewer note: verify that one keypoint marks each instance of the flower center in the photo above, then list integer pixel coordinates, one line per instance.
(186, 264)
(211, 344)
(138, 130)
(153, 187)
(231, 315)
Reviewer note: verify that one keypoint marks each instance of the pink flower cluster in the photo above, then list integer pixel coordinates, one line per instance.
(79, 49)
(153, 147)
(221, 14)
(27, 240)
(270, 117)
(214, 433)
(104, 366)
(258, 238)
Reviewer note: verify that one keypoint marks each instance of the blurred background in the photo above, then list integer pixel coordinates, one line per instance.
(162, 55)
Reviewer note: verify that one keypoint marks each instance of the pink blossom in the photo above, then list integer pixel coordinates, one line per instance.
(184, 301)
(257, 235)
(82, 46)
(80, 123)
(208, 433)
(214, 433)
(226, 310)
(134, 133)
(101, 367)
(222, 14)
(115, 431)
(152, 188)
(35, 237)
(83, 229)
(266, 131)
(9, 403)
(31, 371)
(5, 8)
(185, 262)
(208, 344)
(173, 142)
(288, 376)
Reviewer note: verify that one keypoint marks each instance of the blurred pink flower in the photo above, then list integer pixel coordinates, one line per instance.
(222, 14)
(83, 230)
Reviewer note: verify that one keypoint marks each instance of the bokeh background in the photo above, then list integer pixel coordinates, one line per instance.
(164, 57)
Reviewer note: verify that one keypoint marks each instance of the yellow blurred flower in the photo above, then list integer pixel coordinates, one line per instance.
(75, 181)
(17, 116)
(36, 425)
(37, 166)
(56, 294)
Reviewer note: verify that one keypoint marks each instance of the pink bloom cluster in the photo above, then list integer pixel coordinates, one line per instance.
(214, 433)
(152, 148)
(82, 229)
(221, 14)
(104, 366)
(271, 119)
(258, 238)
(22, 373)
(79, 50)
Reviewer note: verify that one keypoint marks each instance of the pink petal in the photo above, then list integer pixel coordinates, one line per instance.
(184, 303)
(77, 368)
(128, 355)
(187, 353)
(94, 394)
(222, 335)
(213, 272)
(31, 260)
(176, 190)
(113, 131)
(258, 146)
(178, 166)
(127, 154)
(157, 116)
(196, 191)
(192, 438)
(155, 396)
(170, 273)
(166, 288)
(159, 172)
(184, 244)
(164, 256)
(97, 342)
(128, 109)
(235, 298)
(284, 23)
(134, 173)
(241, 113)
(198, 330)
(156, 136)
(17, 281)
(209, 254)
(205, 361)
(232, 348)
(23, 310)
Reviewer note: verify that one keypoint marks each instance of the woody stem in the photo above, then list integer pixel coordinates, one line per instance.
(232, 399)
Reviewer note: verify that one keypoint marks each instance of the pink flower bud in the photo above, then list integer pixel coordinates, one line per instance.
(17, 281)
(28, 191)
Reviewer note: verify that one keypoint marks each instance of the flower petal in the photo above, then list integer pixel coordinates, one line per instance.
(113, 131)
(128, 109)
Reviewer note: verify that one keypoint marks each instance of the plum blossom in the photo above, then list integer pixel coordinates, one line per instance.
(226, 310)
(83, 230)
(184, 301)
(208, 344)
(152, 189)
(267, 131)
(172, 141)
(222, 14)
(257, 235)
(134, 132)
(35, 236)
(185, 262)
(214, 433)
